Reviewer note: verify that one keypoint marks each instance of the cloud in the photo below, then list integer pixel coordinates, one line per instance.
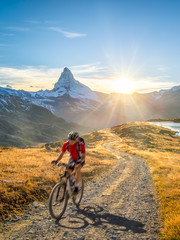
(150, 84)
(67, 34)
(18, 29)
(89, 69)
(95, 75)
(162, 68)
(27, 77)
(22, 78)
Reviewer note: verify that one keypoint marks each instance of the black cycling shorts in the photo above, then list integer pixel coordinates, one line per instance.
(71, 163)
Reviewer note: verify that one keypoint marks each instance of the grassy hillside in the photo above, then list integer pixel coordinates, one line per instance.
(161, 149)
(34, 176)
(27, 175)
(177, 120)
(36, 125)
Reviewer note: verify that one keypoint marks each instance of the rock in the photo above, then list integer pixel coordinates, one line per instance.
(25, 217)
(11, 181)
(65, 234)
(6, 220)
(82, 238)
(36, 204)
(14, 220)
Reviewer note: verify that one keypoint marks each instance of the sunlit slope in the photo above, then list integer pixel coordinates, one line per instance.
(161, 149)
(176, 120)
(116, 108)
(24, 124)
(157, 145)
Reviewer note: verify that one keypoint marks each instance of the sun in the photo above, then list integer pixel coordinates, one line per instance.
(124, 85)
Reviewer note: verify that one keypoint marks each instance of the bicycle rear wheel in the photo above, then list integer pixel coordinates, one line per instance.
(77, 197)
(58, 200)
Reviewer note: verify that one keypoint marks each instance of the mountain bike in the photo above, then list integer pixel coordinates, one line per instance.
(63, 191)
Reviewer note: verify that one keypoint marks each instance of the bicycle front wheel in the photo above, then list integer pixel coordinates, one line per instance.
(78, 196)
(58, 200)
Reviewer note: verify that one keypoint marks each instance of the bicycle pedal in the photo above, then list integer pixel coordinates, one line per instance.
(76, 190)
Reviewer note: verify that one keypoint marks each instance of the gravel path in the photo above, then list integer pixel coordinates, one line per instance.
(119, 204)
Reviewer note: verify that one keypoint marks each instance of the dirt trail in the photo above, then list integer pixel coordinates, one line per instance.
(119, 204)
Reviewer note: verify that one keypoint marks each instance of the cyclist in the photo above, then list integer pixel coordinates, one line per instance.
(76, 149)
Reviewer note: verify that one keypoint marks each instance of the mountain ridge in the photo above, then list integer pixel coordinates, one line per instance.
(23, 123)
(75, 102)
(65, 85)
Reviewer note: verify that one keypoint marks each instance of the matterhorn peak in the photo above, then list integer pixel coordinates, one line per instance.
(67, 84)
(65, 80)
(66, 72)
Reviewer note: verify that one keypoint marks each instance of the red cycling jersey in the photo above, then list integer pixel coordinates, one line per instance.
(73, 150)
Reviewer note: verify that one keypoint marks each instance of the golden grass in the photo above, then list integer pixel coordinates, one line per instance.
(157, 145)
(37, 176)
(161, 148)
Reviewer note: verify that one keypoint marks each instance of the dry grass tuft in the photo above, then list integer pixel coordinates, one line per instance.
(161, 148)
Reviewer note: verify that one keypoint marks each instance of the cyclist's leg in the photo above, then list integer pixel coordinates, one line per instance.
(70, 166)
(78, 173)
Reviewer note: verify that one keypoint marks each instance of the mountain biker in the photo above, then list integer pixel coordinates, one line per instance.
(76, 149)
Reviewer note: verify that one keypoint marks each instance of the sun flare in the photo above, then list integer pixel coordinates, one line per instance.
(124, 85)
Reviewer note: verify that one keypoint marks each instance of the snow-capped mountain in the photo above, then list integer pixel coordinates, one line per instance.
(76, 102)
(67, 93)
(68, 85)
(9, 103)
(175, 88)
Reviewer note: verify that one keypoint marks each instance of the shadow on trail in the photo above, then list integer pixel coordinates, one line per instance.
(97, 216)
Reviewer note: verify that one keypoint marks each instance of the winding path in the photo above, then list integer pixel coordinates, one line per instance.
(119, 204)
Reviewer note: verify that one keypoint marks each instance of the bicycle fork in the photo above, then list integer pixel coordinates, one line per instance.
(69, 185)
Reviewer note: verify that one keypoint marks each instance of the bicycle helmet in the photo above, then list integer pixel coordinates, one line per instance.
(73, 135)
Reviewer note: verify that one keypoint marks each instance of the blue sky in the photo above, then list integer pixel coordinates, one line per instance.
(109, 45)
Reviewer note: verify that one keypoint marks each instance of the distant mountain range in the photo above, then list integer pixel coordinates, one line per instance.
(23, 123)
(72, 101)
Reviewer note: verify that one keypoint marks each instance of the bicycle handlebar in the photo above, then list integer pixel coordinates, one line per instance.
(61, 164)
(66, 165)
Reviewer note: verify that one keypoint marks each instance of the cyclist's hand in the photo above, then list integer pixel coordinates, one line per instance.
(54, 162)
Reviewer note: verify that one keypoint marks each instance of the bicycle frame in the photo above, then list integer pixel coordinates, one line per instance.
(69, 184)
(58, 200)
(68, 175)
